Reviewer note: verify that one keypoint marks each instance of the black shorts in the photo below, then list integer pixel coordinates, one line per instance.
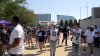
(41, 39)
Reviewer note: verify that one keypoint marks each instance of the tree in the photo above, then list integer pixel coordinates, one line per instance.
(75, 21)
(66, 22)
(10, 8)
(70, 23)
(61, 23)
(3, 4)
(27, 17)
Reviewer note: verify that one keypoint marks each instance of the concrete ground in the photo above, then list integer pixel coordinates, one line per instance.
(60, 51)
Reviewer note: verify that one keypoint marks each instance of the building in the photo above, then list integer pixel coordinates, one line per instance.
(94, 19)
(64, 17)
(95, 12)
(43, 19)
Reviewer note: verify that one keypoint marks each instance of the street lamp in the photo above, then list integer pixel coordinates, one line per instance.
(80, 13)
(87, 13)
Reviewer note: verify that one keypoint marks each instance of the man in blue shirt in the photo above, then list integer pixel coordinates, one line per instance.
(41, 38)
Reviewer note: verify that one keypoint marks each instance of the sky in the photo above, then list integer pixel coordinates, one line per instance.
(63, 7)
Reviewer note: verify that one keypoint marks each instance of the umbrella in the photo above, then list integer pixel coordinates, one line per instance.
(6, 23)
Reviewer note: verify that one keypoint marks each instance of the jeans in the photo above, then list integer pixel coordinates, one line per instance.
(75, 48)
(52, 47)
(15, 54)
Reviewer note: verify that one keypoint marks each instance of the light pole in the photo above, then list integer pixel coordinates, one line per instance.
(80, 12)
(87, 13)
(80, 15)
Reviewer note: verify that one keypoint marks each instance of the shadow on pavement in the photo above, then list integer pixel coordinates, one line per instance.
(96, 51)
(47, 46)
(69, 54)
(27, 55)
(30, 54)
(87, 53)
(48, 50)
(68, 48)
(30, 48)
(59, 46)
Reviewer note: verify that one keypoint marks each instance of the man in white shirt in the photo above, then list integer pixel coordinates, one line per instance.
(16, 47)
(76, 39)
(89, 38)
(53, 40)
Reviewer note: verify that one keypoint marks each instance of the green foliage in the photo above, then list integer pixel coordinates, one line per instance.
(70, 23)
(61, 23)
(10, 8)
(66, 22)
(20, 1)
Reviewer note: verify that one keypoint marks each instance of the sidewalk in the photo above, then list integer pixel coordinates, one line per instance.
(60, 51)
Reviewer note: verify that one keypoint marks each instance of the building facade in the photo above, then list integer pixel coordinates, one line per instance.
(43, 19)
(92, 20)
(95, 12)
(64, 17)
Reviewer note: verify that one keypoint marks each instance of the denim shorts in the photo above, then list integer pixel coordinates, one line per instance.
(75, 47)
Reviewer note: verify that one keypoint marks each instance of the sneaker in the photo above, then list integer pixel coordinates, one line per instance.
(53, 54)
(92, 55)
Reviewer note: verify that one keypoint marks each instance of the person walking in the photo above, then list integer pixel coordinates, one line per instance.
(53, 39)
(89, 38)
(30, 35)
(2, 51)
(76, 39)
(41, 39)
(4, 39)
(16, 47)
(65, 35)
(58, 41)
(96, 37)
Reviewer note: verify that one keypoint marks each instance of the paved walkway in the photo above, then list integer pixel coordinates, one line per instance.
(61, 51)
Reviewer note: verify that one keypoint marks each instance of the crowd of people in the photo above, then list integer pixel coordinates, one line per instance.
(14, 39)
(88, 38)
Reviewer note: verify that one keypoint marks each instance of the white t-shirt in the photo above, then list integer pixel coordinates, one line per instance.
(37, 32)
(53, 34)
(96, 30)
(17, 33)
(89, 36)
(76, 35)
